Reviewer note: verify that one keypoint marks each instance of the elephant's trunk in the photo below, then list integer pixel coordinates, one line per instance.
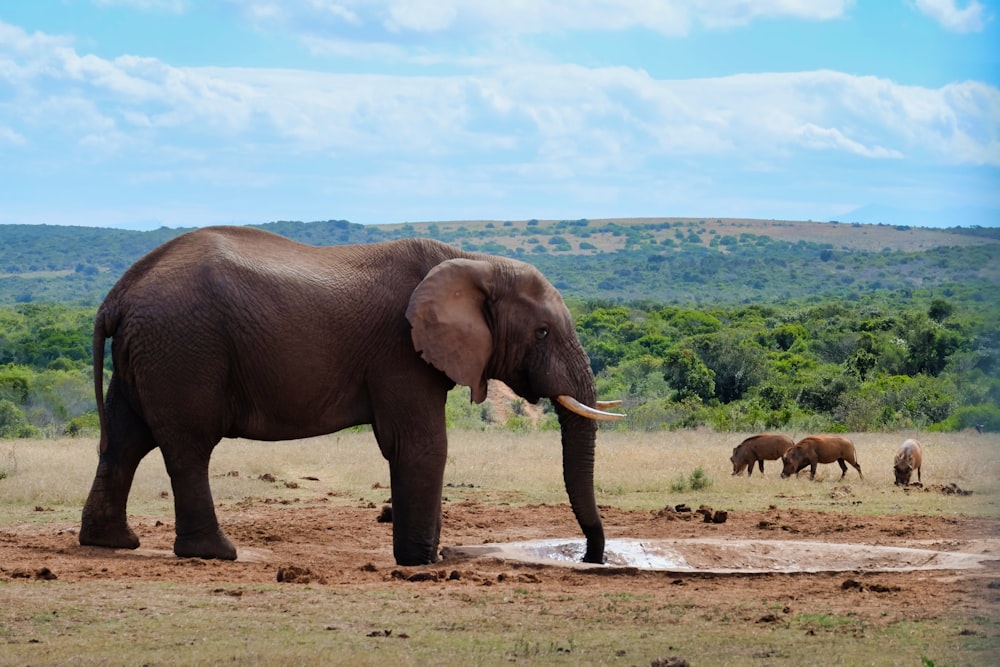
(579, 436)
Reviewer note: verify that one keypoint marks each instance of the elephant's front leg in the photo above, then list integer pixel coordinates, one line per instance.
(416, 452)
(416, 506)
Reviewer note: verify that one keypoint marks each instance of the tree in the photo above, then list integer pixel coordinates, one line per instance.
(688, 375)
(940, 310)
(736, 360)
(12, 421)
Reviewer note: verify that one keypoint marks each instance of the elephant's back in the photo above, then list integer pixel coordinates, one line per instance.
(229, 271)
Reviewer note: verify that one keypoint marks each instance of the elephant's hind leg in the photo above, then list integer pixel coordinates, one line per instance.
(104, 522)
(198, 534)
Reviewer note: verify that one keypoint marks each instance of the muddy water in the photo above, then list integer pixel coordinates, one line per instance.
(730, 556)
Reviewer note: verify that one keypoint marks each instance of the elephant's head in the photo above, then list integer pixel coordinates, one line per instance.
(476, 319)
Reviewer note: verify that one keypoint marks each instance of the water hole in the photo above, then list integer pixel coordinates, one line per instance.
(732, 556)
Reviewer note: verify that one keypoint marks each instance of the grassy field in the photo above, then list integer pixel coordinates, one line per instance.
(569, 620)
(634, 471)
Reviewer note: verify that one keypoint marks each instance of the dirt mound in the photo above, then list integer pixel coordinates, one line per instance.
(507, 404)
(951, 489)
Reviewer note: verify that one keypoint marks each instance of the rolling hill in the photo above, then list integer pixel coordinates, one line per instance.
(670, 260)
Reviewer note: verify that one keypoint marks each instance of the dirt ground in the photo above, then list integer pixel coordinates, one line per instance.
(324, 543)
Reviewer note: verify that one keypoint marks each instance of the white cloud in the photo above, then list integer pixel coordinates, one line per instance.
(331, 18)
(167, 6)
(971, 18)
(812, 136)
(552, 114)
(477, 33)
(613, 140)
(11, 138)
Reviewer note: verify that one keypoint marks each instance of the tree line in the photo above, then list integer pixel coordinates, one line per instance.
(820, 365)
(828, 366)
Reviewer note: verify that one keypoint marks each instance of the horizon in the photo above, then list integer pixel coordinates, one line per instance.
(637, 219)
(141, 114)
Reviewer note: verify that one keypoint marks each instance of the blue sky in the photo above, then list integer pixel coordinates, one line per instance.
(143, 113)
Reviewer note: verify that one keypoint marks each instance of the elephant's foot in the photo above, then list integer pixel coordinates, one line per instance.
(117, 535)
(594, 556)
(210, 545)
(420, 554)
(416, 560)
(595, 545)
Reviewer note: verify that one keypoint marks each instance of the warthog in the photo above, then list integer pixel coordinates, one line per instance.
(908, 458)
(815, 449)
(757, 449)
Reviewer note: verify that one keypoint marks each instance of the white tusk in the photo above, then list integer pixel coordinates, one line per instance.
(579, 408)
(604, 405)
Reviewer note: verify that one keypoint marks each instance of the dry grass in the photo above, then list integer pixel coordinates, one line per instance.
(152, 622)
(634, 471)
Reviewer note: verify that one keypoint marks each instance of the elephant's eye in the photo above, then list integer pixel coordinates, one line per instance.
(541, 332)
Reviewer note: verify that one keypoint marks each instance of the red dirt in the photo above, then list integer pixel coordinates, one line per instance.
(325, 544)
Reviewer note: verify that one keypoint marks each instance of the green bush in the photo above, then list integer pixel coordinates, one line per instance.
(986, 416)
(87, 424)
(699, 480)
(696, 481)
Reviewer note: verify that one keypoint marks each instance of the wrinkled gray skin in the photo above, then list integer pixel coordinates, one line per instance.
(908, 458)
(757, 449)
(237, 332)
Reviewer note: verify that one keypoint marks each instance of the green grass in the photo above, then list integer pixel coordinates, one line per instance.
(145, 623)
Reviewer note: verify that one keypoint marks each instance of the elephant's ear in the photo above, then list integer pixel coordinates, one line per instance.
(449, 327)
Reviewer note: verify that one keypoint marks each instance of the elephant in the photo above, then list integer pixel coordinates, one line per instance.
(238, 332)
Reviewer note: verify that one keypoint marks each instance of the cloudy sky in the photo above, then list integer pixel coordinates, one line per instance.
(142, 113)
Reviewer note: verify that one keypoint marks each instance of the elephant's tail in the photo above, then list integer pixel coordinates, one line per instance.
(104, 327)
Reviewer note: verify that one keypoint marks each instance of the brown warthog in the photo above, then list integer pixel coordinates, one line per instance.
(757, 449)
(815, 449)
(908, 458)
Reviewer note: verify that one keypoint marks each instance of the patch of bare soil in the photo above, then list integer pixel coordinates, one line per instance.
(319, 543)
(507, 404)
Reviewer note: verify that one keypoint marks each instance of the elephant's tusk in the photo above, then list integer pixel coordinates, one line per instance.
(579, 408)
(604, 405)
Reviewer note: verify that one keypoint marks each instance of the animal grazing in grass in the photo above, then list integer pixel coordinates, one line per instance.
(759, 448)
(909, 457)
(815, 449)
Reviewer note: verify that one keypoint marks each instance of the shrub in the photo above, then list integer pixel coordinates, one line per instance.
(984, 416)
(87, 424)
(696, 481)
(699, 480)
